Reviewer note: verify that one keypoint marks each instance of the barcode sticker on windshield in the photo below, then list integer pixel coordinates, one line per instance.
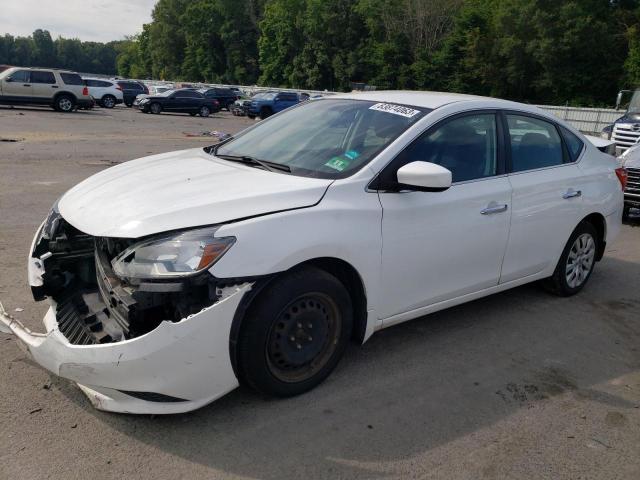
(395, 109)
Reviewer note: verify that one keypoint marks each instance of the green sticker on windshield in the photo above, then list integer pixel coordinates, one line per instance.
(342, 161)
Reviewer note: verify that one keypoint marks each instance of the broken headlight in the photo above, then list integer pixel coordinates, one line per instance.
(175, 255)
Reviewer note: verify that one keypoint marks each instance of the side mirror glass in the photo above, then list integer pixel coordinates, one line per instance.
(424, 177)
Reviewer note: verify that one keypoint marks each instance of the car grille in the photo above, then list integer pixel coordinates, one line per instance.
(624, 136)
(632, 192)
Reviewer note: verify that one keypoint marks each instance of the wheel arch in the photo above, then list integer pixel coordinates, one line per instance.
(341, 269)
(600, 224)
(65, 93)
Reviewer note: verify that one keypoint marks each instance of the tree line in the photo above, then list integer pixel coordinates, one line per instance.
(41, 50)
(579, 52)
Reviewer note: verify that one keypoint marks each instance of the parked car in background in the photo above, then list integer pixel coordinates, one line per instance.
(61, 89)
(631, 161)
(272, 102)
(225, 96)
(175, 277)
(131, 89)
(184, 100)
(107, 93)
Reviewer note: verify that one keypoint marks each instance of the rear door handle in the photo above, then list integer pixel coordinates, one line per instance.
(26, 84)
(493, 208)
(571, 193)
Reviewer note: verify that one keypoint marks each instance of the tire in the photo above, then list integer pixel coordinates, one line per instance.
(108, 101)
(265, 113)
(251, 116)
(155, 108)
(294, 333)
(576, 263)
(626, 211)
(64, 103)
(129, 104)
(204, 111)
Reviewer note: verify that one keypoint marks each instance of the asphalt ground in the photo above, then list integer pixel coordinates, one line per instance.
(520, 385)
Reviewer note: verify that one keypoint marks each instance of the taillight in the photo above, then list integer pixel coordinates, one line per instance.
(85, 91)
(623, 177)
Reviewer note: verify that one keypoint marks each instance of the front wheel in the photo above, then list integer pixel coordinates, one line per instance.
(576, 262)
(295, 332)
(204, 111)
(155, 108)
(265, 113)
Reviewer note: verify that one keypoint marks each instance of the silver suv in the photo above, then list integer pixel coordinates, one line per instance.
(61, 89)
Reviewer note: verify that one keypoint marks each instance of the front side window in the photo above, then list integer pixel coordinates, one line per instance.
(535, 143)
(20, 76)
(329, 138)
(42, 77)
(188, 94)
(465, 145)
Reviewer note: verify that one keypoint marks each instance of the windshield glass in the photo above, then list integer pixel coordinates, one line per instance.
(634, 106)
(166, 93)
(328, 138)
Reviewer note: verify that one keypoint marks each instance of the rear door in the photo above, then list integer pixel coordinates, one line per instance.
(17, 87)
(43, 84)
(547, 195)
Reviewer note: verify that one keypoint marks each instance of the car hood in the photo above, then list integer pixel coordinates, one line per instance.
(180, 190)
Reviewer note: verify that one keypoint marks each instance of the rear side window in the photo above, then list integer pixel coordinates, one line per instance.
(288, 97)
(574, 144)
(42, 77)
(535, 143)
(71, 79)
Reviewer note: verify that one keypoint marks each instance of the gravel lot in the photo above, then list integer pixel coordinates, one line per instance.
(518, 385)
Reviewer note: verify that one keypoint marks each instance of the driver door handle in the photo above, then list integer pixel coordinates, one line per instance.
(494, 208)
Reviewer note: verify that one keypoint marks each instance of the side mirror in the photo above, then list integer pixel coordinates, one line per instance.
(8, 79)
(424, 177)
(618, 100)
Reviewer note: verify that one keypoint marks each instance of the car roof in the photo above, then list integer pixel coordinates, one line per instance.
(430, 100)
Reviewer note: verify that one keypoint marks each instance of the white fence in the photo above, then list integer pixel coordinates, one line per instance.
(587, 120)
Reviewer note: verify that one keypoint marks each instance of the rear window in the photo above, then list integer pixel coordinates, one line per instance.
(71, 79)
(42, 77)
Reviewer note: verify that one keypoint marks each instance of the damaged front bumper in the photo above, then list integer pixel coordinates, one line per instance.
(146, 348)
(175, 368)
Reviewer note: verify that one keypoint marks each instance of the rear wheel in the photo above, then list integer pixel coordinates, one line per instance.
(64, 103)
(295, 333)
(155, 108)
(204, 111)
(108, 101)
(576, 262)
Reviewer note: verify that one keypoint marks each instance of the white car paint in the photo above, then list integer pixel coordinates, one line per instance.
(415, 252)
(100, 88)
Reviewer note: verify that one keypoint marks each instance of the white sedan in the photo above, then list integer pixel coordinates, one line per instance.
(172, 278)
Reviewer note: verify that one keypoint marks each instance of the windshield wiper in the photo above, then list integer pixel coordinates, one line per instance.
(271, 166)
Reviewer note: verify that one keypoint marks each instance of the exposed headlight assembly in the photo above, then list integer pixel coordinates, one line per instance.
(175, 255)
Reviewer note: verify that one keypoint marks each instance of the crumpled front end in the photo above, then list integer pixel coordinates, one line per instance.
(146, 347)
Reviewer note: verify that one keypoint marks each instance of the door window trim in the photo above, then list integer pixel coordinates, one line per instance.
(501, 170)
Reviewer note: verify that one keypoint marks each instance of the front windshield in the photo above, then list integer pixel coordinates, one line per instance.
(634, 106)
(327, 138)
(166, 93)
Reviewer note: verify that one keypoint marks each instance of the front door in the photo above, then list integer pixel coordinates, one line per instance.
(18, 87)
(442, 245)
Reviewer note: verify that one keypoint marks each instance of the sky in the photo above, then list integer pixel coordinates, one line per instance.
(89, 20)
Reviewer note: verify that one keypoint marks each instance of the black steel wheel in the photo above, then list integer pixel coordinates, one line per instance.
(295, 332)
